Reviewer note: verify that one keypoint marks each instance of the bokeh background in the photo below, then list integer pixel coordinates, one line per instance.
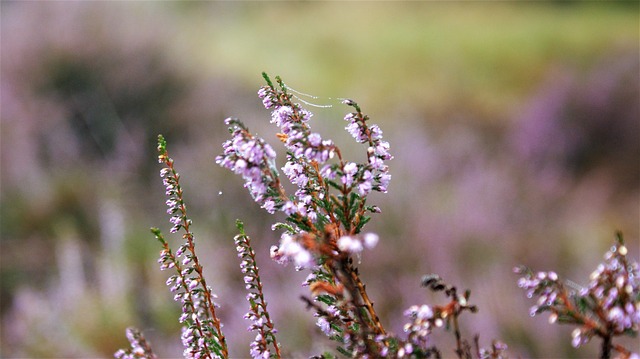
(515, 129)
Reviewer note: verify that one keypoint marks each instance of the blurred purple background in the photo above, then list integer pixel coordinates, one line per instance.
(515, 129)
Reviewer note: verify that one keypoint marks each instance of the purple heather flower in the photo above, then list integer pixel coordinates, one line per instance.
(364, 187)
(328, 172)
(310, 279)
(176, 219)
(139, 346)
(355, 128)
(614, 286)
(376, 132)
(423, 312)
(270, 206)
(296, 174)
(281, 116)
(305, 115)
(187, 259)
(383, 182)
(420, 326)
(496, 351)
(333, 310)
(314, 140)
(357, 132)
(350, 244)
(350, 117)
(617, 316)
(579, 337)
(181, 250)
(267, 96)
(304, 197)
(408, 348)
(325, 326)
(312, 215)
(376, 163)
(301, 209)
(256, 350)
(291, 250)
(349, 170)
(370, 240)
(167, 265)
(289, 208)
(381, 150)
(253, 159)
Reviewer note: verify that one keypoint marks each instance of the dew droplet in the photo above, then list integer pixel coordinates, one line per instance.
(622, 250)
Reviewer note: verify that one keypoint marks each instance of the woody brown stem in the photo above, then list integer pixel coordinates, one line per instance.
(366, 301)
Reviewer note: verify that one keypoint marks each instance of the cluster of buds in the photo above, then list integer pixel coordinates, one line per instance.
(607, 307)
(254, 160)
(355, 244)
(201, 332)
(419, 328)
(327, 211)
(292, 250)
(265, 340)
(425, 317)
(323, 232)
(325, 217)
(307, 162)
(497, 350)
(140, 348)
(375, 174)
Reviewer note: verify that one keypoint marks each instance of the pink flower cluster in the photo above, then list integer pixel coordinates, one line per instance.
(265, 341)
(375, 175)
(608, 306)
(290, 250)
(355, 244)
(139, 347)
(201, 331)
(253, 159)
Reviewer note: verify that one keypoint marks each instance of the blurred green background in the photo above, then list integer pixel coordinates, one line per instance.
(515, 128)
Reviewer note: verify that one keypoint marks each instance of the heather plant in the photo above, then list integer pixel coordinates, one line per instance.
(608, 307)
(323, 234)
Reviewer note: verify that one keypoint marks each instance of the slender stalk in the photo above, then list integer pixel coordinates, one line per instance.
(605, 352)
(188, 235)
(367, 302)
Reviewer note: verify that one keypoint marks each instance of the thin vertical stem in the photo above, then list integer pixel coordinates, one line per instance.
(606, 347)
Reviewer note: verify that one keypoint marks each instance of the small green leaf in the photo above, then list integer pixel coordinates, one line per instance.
(326, 299)
(327, 355)
(344, 352)
(363, 221)
(582, 303)
(619, 238)
(287, 227)
(162, 144)
(158, 235)
(240, 226)
(267, 79)
(303, 226)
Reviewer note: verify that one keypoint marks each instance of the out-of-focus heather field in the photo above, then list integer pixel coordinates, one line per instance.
(515, 129)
